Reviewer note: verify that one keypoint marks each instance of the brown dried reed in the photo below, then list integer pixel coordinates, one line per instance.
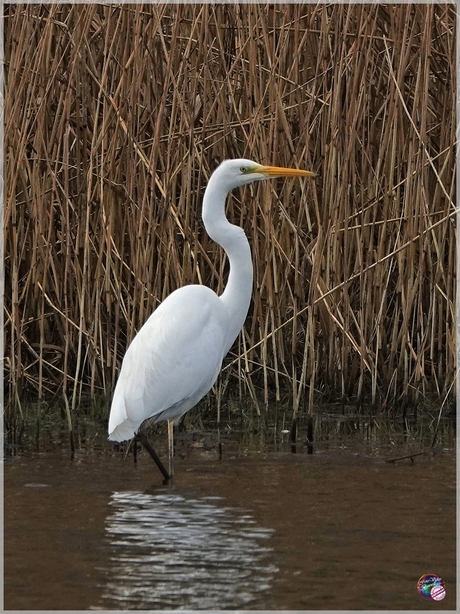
(116, 116)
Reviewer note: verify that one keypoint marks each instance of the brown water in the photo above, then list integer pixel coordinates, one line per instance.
(257, 530)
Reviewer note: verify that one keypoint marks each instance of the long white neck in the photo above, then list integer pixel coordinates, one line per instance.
(237, 294)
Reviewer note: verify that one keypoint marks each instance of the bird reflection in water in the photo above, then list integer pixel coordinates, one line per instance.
(169, 552)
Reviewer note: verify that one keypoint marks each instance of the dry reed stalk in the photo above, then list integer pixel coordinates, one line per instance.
(116, 116)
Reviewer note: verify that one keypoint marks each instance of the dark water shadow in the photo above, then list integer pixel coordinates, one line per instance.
(166, 551)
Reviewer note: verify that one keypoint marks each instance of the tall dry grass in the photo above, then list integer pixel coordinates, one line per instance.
(116, 116)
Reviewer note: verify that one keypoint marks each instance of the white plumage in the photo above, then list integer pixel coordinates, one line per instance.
(172, 362)
(176, 356)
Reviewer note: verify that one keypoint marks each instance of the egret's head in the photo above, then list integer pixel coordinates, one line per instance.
(235, 173)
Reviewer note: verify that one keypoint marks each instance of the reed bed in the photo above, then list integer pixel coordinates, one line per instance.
(117, 114)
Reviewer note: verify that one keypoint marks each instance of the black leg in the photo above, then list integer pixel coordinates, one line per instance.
(170, 446)
(148, 446)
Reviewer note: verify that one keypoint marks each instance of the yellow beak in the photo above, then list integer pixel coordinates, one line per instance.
(279, 171)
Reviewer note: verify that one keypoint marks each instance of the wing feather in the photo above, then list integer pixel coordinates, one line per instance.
(172, 362)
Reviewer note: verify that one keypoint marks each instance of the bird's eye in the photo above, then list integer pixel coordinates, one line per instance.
(244, 169)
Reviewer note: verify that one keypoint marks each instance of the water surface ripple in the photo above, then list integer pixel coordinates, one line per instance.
(167, 551)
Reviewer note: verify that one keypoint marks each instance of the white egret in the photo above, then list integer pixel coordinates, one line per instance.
(175, 358)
